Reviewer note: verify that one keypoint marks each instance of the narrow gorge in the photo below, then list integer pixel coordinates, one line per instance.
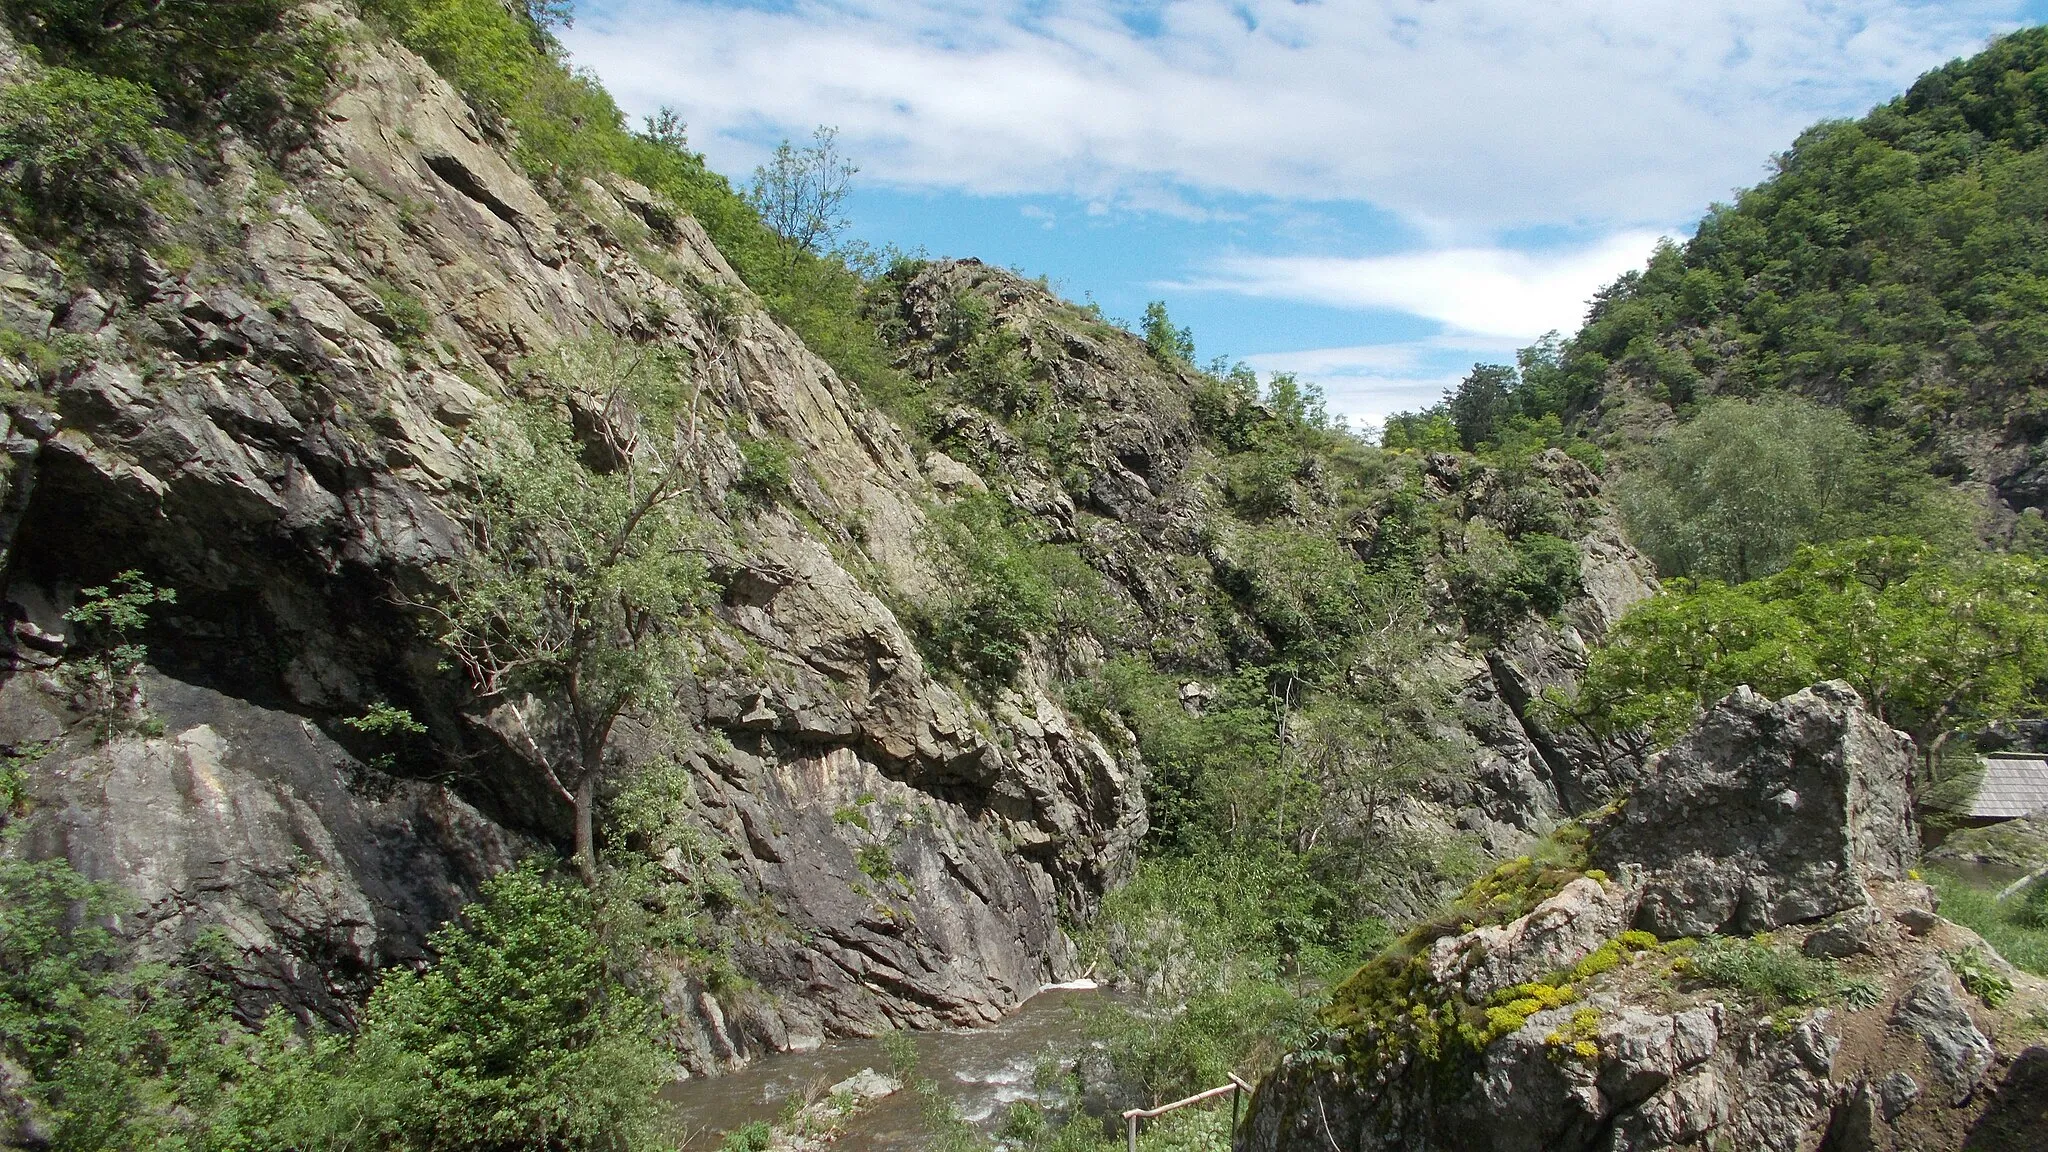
(496, 631)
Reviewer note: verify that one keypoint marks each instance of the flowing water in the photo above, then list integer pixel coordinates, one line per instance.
(982, 1070)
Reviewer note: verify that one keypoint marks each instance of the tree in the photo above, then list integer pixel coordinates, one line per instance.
(1363, 762)
(1481, 402)
(572, 601)
(1931, 641)
(801, 192)
(69, 141)
(110, 618)
(1734, 492)
(1172, 347)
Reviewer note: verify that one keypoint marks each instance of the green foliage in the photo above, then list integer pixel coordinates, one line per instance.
(104, 683)
(1497, 584)
(1172, 347)
(383, 719)
(753, 1136)
(1428, 431)
(1226, 406)
(1931, 641)
(113, 1050)
(998, 596)
(801, 192)
(1494, 404)
(1894, 263)
(261, 66)
(1167, 1054)
(60, 353)
(1979, 977)
(519, 1035)
(2013, 926)
(70, 143)
(1734, 492)
(579, 584)
(1770, 973)
(765, 472)
(409, 321)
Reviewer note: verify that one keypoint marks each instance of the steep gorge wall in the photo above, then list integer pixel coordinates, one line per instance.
(263, 433)
(266, 426)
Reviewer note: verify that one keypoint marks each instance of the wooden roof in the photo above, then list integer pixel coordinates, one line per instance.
(2013, 786)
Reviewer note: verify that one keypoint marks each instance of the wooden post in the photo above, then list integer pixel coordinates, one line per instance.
(1132, 1119)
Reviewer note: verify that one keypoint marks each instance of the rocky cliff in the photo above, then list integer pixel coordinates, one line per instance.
(272, 403)
(1580, 1000)
(281, 432)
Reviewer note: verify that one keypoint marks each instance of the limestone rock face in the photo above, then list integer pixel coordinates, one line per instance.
(1767, 814)
(1556, 1031)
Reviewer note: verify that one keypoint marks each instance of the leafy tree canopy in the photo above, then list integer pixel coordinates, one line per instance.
(1733, 492)
(1933, 641)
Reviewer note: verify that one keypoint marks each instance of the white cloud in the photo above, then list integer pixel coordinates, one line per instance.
(1487, 292)
(1365, 384)
(1463, 118)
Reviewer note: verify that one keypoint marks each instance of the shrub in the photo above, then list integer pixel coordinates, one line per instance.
(998, 598)
(753, 1136)
(110, 617)
(259, 65)
(765, 474)
(1498, 584)
(115, 1052)
(70, 142)
(519, 1034)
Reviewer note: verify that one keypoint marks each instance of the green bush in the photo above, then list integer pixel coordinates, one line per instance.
(998, 596)
(261, 66)
(519, 1035)
(765, 473)
(1497, 585)
(119, 1054)
(753, 1136)
(70, 144)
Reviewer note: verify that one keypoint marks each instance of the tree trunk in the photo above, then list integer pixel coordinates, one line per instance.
(586, 841)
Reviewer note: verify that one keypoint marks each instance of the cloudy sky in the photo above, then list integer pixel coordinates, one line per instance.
(1371, 193)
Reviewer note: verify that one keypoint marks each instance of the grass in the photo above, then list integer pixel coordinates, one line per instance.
(2018, 934)
(1768, 972)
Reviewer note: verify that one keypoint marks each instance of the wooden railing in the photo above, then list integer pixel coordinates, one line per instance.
(1237, 1088)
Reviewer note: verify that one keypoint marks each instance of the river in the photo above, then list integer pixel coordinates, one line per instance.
(983, 1070)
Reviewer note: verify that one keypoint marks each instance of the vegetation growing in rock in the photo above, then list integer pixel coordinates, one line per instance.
(574, 600)
(520, 1033)
(1932, 640)
(104, 679)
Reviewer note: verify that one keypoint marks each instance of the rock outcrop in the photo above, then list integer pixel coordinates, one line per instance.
(1765, 815)
(1557, 1027)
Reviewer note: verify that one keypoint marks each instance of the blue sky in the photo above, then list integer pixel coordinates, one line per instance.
(1373, 194)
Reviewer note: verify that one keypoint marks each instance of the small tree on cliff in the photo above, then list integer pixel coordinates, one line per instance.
(574, 599)
(801, 192)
